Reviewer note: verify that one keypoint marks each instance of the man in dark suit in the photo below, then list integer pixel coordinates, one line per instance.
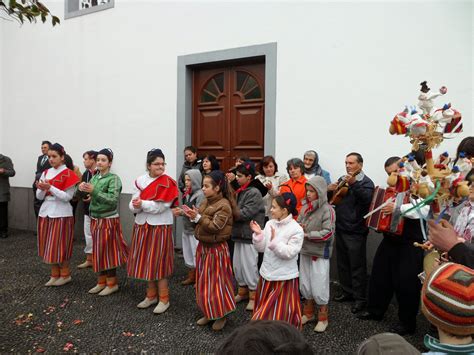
(41, 165)
(6, 172)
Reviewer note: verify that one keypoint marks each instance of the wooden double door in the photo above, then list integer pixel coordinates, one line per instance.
(229, 111)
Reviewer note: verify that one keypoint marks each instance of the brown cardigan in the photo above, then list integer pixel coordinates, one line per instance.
(215, 224)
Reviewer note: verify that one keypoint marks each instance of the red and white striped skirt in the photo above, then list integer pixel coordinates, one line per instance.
(55, 237)
(214, 289)
(278, 300)
(151, 253)
(109, 249)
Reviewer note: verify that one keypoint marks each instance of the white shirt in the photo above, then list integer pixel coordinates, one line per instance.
(152, 212)
(57, 204)
(280, 254)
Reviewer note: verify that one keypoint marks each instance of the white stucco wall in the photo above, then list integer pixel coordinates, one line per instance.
(344, 69)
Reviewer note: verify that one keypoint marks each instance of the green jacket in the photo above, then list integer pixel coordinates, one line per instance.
(106, 194)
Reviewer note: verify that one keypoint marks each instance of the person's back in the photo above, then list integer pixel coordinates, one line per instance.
(265, 337)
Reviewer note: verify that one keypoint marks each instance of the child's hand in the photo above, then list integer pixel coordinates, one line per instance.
(43, 185)
(269, 185)
(272, 234)
(190, 213)
(87, 187)
(137, 203)
(177, 212)
(255, 227)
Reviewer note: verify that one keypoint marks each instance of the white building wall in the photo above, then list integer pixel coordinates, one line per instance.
(344, 69)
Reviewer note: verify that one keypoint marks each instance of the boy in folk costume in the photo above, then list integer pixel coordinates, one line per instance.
(214, 289)
(278, 295)
(56, 188)
(192, 196)
(90, 165)
(109, 249)
(249, 207)
(318, 220)
(152, 251)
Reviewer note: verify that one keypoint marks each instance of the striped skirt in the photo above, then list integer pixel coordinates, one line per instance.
(109, 249)
(214, 289)
(278, 300)
(55, 237)
(151, 253)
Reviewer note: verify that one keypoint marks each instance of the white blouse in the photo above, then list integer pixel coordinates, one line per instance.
(152, 212)
(57, 204)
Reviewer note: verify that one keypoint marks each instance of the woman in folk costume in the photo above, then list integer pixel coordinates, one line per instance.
(152, 251)
(278, 295)
(318, 220)
(214, 289)
(55, 220)
(109, 249)
(192, 196)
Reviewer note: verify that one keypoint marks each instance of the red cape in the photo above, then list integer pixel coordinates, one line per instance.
(64, 180)
(162, 189)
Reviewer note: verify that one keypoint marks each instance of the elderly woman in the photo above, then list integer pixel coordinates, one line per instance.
(296, 184)
(312, 167)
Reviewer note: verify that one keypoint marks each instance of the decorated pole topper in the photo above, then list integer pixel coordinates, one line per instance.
(437, 182)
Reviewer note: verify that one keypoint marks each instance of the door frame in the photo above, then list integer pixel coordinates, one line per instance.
(184, 109)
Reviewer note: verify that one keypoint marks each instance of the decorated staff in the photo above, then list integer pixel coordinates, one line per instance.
(436, 182)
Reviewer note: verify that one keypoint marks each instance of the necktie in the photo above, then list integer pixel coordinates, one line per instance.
(44, 160)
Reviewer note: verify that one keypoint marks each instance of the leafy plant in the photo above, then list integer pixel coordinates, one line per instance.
(26, 10)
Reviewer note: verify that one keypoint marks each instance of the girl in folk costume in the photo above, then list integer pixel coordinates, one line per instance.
(55, 220)
(249, 207)
(152, 251)
(318, 219)
(277, 295)
(192, 196)
(109, 249)
(214, 289)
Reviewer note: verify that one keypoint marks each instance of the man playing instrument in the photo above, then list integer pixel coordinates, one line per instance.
(397, 263)
(351, 232)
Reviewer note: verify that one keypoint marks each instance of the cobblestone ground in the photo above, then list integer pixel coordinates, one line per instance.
(37, 318)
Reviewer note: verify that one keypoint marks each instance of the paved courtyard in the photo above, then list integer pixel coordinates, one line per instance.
(35, 318)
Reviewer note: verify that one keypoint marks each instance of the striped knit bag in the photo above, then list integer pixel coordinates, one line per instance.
(448, 299)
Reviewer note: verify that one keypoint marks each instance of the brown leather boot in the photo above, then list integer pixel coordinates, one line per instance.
(191, 279)
(251, 303)
(242, 294)
(308, 312)
(322, 319)
(87, 263)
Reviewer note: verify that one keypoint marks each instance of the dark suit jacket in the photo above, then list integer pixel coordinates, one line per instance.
(40, 168)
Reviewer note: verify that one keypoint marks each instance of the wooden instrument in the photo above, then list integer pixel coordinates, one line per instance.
(342, 188)
(379, 221)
